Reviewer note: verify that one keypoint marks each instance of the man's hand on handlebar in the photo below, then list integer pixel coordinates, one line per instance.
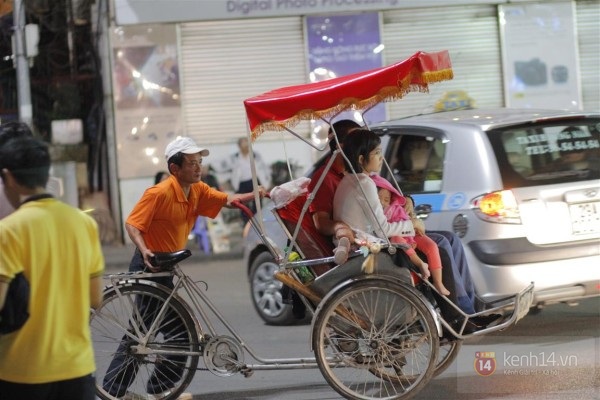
(245, 197)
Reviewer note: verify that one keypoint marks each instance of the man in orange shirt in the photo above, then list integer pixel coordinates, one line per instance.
(161, 222)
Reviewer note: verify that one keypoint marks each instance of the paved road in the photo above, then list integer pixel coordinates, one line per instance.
(553, 355)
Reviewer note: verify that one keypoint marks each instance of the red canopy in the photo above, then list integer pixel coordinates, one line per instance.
(285, 107)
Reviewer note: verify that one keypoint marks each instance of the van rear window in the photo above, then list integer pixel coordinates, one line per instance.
(543, 154)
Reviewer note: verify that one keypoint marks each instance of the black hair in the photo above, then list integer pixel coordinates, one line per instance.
(13, 129)
(359, 142)
(159, 176)
(176, 159)
(341, 127)
(28, 160)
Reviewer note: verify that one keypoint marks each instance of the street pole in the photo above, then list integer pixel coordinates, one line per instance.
(22, 64)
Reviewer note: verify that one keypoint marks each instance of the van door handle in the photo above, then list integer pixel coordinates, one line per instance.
(423, 210)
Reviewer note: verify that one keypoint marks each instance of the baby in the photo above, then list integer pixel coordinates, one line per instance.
(399, 208)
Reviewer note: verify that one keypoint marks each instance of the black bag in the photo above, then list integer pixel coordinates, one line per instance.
(16, 307)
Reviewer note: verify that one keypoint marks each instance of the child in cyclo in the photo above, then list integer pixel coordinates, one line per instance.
(356, 201)
(399, 208)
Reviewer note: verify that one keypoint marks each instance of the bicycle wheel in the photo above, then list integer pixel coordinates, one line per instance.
(447, 354)
(375, 339)
(128, 332)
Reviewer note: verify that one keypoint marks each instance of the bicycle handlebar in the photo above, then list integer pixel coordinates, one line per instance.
(244, 208)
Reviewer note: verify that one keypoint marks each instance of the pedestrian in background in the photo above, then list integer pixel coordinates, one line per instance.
(208, 177)
(241, 172)
(57, 247)
(160, 176)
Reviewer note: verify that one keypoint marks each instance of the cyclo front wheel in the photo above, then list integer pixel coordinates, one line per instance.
(375, 339)
(136, 332)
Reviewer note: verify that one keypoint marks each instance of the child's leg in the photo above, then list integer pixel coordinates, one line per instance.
(412, 255)
(436, 277)
(340, 253)
(430, 249)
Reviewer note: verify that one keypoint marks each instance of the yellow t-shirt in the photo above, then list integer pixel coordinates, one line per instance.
(58, 248)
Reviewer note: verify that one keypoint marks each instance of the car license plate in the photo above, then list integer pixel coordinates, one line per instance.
(524, 302)
(585, 217)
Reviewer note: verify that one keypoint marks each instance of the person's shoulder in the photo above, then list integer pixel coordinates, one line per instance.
(162, 188)
(347, 180)
(367, 184)
(363, 178)
(203, 187)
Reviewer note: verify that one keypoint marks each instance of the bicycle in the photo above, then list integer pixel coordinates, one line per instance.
(374, 336)
(337, 340)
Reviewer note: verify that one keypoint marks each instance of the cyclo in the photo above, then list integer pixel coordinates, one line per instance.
(375, 335)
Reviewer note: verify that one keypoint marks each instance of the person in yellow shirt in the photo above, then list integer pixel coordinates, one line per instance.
(57, 247)
(10, 130)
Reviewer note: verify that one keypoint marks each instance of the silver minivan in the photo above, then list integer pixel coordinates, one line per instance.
(521, 187)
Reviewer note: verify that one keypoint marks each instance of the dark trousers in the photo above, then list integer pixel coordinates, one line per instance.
(82, 388)
(124, 367)
(447, 310)
(247, 187)
(465, 289)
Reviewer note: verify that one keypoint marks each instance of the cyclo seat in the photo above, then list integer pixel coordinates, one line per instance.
(167, 261)
(311, 242)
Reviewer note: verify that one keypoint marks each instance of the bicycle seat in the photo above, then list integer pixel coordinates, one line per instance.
(167, 261)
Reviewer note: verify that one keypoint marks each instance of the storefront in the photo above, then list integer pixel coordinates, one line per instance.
(210, 58)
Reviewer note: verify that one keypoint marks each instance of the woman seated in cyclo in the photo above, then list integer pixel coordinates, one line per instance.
(456, 275)
(357, 203)
(363, 149)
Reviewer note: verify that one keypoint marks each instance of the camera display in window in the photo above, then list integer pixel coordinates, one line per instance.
(531, 73)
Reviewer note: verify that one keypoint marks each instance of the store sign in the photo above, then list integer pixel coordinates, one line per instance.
(340, 45)
(540, 56)
(148, 11)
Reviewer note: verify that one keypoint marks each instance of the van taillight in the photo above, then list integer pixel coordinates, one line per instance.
(498, 207)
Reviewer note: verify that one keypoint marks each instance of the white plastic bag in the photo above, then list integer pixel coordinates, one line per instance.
(284, 194)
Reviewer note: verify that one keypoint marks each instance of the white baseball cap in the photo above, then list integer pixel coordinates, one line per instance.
(185, 145)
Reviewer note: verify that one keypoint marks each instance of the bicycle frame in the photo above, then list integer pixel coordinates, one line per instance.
(202, 306)
(364, 325)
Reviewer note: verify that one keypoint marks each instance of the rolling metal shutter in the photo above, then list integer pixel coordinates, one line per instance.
(469, 33)
(588, 32)
(224, 62)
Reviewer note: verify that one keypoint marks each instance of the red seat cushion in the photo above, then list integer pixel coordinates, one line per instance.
(312, 243)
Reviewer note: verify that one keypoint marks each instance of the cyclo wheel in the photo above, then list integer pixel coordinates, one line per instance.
(375, 339)
(446, 355)
(129, 329)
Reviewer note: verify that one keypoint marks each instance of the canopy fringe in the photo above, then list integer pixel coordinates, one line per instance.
(388, 93)
(421, 73)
